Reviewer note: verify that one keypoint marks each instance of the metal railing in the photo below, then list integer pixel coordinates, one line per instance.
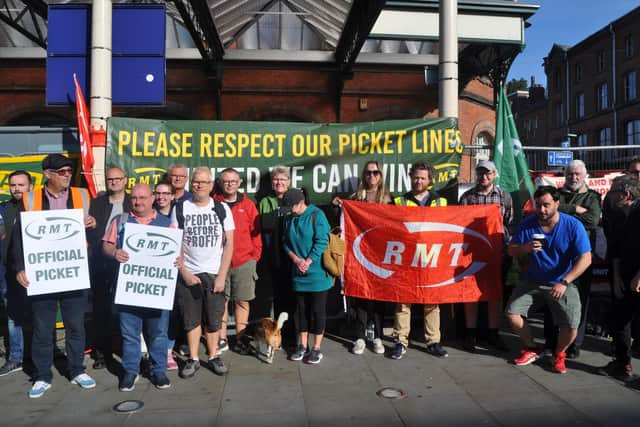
(605, 158)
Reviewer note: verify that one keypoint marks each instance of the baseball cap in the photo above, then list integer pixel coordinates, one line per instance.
(486, 164)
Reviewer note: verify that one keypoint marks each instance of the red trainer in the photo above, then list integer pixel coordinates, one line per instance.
(558, 363)
(527, 356)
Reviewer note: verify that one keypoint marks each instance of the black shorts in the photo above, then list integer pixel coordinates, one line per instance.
(199, 305)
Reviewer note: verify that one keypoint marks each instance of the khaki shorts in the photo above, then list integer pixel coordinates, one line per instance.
(565, 311)
(241, 282)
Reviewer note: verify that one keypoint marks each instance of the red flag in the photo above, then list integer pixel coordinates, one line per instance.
(85, 138)
(423, 255)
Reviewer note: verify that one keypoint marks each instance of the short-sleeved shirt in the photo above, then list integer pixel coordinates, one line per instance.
(564, 244)
(203, 237)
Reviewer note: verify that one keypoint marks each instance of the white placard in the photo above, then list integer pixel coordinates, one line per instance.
(55, 251)
(148, 279)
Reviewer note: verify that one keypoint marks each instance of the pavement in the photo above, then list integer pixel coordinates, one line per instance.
(465, 389)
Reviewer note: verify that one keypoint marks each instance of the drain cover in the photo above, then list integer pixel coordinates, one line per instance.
(128, 406)
(391, 393)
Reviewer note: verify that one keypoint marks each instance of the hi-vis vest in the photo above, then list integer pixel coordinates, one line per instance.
(402, 201)
(32, 201)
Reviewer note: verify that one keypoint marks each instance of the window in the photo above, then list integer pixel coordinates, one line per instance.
(632, 132)
(580, 105)
(558, 114)
(629, 48)
(630, 92)
(578, 73)
(604, 137)
(601, 61)
(582, 142)
(603, 92)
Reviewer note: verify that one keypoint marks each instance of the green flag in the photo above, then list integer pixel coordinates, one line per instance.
(509, 157)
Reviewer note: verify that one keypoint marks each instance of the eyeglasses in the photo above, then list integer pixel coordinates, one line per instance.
(115, 179)
(178, 176)
(162, 193)
(199, 183)
(62, 172)
(230, 182)
(483, 172)
(368, 173)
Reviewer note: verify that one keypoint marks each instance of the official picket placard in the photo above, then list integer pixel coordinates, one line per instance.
(148, 279)
(55, 251)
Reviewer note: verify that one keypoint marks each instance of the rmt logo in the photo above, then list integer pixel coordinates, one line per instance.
(152, 244)
(53, 228)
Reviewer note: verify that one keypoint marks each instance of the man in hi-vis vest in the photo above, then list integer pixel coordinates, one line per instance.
(56, 194)
(422, 175)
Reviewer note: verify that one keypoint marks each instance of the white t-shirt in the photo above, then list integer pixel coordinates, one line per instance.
(202, 238)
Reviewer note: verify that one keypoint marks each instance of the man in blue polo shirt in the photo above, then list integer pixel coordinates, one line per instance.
(558, 252)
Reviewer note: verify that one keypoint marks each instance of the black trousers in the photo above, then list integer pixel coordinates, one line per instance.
(311, 312)
(625, 310)
(367, 310)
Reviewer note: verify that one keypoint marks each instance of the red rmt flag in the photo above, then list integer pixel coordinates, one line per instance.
(85, 138)
(423, 255)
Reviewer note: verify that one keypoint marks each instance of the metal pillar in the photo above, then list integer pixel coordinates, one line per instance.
(100, 107)
(448, 64)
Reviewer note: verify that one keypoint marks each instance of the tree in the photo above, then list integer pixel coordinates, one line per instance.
(517, 84)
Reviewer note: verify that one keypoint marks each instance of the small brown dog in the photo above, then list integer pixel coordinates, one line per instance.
(267, 337)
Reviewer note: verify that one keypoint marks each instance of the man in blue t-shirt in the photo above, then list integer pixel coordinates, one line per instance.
(558, 252)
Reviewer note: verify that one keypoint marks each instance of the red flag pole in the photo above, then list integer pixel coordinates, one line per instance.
(86, 151)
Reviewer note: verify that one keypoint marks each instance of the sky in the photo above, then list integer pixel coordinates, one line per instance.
(564, 22)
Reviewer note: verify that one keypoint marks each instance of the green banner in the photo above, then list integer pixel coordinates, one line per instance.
(327, 159)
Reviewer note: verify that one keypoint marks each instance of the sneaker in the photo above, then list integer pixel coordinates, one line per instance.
(558, 363)
(217, 366)
(299, 353)
(128, 382)
(618, 370)
(437, 350)
(99, 363)
(314, 357)
(469, 344)
(398, 351)
(190, 368)
(38, 389)
(172, 365)
(358, 346)
(9, 367)
(183, 350)
(161, 381)
(84, 381)
(573, 352)
(378, 347)
(223, 345)
(496, 342)
(527, 357)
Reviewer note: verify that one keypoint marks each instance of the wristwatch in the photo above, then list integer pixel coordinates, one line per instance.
(564, 282)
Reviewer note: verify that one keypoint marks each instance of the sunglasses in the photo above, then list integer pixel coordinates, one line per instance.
(62, 172)
(376, 173)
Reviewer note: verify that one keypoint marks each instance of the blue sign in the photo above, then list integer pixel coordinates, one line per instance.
(559, 158)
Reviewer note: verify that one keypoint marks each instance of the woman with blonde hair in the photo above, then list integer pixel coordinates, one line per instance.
(371, 189)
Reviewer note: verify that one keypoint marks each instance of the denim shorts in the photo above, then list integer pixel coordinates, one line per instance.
(530, 296)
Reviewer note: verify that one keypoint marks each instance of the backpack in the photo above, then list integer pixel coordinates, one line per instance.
(333, 256)
(218, 208)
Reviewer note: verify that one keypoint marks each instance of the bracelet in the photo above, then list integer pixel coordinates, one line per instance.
(564, 282)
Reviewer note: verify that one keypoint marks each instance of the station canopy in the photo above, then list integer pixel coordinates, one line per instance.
(339, 32)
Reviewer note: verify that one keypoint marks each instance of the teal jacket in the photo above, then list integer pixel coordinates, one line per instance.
(307, 236)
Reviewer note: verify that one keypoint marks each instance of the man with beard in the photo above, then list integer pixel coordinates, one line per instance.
(584, 204)
(558, 252)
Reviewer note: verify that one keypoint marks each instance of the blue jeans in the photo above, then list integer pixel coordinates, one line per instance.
(16, 340)
(153, 323)
(73, 306)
